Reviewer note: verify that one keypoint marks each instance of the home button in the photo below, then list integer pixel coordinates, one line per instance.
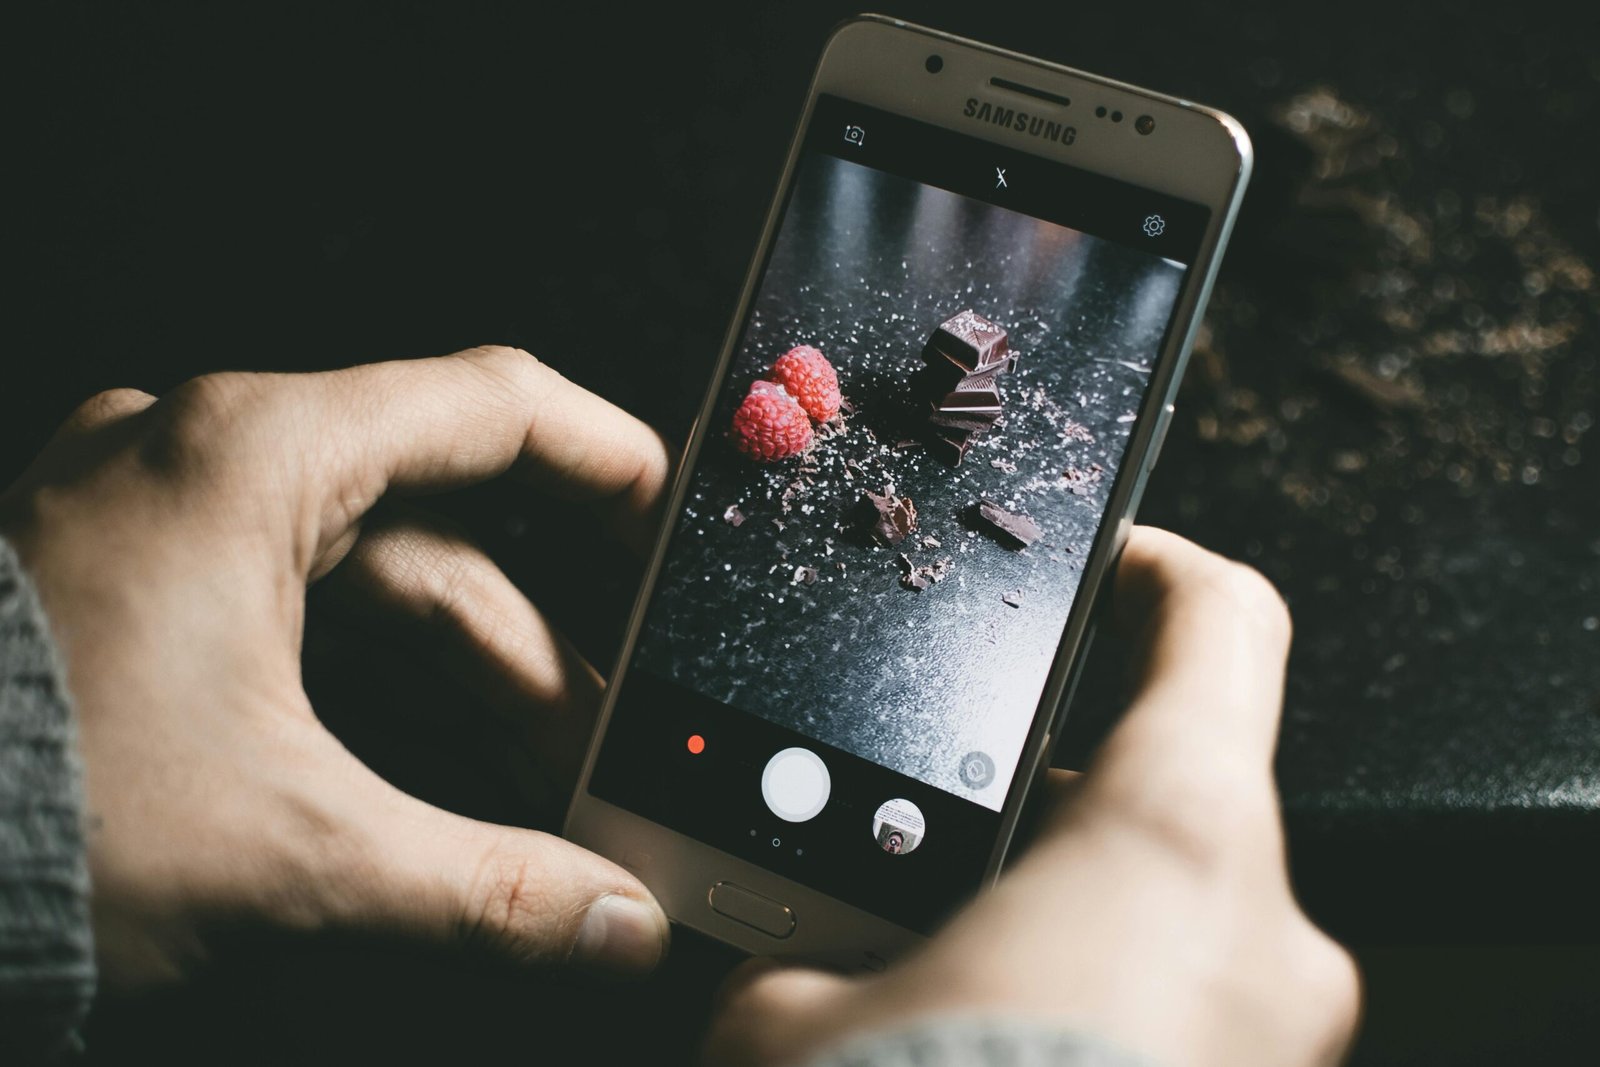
(752, 909)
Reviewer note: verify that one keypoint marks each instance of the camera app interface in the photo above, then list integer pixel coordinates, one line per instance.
(908, 462)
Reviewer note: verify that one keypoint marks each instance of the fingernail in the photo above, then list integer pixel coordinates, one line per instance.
(621, 935)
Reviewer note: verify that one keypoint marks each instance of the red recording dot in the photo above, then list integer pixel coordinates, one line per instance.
(697, 744)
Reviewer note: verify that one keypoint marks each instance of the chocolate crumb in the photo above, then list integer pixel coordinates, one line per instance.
(733, 516)
(917, 578)
(1077, 431)
(887, 518)
(808, 575)
(1003, 464)
(1079, 480)
(1013, 598)
(846, 407)
(1011, 529)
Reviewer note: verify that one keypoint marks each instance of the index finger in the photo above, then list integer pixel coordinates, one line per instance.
(432, 424)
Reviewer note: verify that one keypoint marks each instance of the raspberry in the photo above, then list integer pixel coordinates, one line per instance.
(806, 373)
(770, 424)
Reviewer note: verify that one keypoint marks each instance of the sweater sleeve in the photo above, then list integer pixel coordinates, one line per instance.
(47, 974)
(977, 1041)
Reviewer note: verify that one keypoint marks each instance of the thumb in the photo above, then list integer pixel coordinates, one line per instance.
(525, 896)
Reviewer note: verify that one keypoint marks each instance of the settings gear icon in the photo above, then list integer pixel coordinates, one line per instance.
(1154, 226)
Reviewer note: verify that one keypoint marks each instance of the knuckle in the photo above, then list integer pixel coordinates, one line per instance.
(513, 365)
(507, 902)
(201, 421)
(1330, 977)
(1256, 598)
(451, 579)
(108, 406)
(1207, 813)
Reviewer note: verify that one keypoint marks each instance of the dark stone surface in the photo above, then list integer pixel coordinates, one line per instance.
(911, 680)
(1391, 414)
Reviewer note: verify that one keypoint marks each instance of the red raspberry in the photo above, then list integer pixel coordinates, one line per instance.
(806, 373)
(770, 424)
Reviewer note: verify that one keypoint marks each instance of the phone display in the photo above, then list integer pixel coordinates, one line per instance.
(910, 458)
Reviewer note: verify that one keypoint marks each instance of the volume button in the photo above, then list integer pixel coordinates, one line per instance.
(1159, 437)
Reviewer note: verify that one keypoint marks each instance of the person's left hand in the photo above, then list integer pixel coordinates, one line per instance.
(172, 541)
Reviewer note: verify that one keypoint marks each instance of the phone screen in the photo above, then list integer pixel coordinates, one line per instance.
(846, 646)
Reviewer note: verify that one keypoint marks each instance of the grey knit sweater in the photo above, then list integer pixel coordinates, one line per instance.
(47, 975)
(46, 950)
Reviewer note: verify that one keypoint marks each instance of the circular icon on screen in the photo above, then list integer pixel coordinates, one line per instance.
(977, 769)
(898, 826)
(796, 784)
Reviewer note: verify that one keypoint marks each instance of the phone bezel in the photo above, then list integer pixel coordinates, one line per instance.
(1195, 153)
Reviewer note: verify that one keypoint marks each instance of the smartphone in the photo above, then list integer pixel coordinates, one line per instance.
(860, 628)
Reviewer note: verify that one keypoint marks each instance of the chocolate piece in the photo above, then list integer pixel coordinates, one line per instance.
(948, 449)
(965, 357)
(918, 578)
(971, 340)
(887, 518)
(808, 575)
(733, 516)
(943, 373)
(1013, 598)
(963, 422)
(970, 402)
(1017, 531)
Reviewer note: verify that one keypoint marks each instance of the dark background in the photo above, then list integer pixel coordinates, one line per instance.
(1390, 413)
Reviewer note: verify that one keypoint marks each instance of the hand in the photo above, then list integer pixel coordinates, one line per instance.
(1153, 908)
(171, 542)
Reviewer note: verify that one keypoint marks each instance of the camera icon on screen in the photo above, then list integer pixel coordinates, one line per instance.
(855, 135)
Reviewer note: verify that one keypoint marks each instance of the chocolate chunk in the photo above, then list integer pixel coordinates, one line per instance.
(971, 340)
(918, 578)
(887, 518)
(965, 357)
(974, 422)
(1016, 531)
(808, 575)
(949, 449)
(733, 516)
(1003, 464)
(1013, 598)
(969, 401)
(943, 374)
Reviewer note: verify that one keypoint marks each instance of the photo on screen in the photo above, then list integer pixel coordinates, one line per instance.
(893, 579)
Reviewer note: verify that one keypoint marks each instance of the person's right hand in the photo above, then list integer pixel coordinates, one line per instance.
(1154, 908)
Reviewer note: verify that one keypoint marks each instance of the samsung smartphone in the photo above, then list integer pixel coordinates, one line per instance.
(858, 633)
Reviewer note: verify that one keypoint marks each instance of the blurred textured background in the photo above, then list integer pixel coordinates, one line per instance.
(1390, 412)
